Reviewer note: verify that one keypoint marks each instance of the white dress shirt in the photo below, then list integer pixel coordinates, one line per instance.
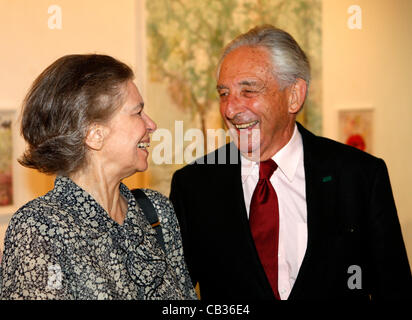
(289, 183)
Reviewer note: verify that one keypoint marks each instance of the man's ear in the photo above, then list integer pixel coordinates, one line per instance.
(95, 136)
(297, 95)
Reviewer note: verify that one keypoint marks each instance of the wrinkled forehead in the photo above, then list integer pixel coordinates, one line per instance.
(245, 63)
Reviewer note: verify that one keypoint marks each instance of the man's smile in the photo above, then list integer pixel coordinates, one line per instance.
(246, 125)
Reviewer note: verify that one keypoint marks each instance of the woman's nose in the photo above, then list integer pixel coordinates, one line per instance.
(151, 126)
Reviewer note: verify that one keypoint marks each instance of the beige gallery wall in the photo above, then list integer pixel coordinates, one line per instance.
(361, 68)
(29, 43)
(370, 68)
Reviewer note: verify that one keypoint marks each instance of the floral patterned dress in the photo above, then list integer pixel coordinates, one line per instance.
(64, 245)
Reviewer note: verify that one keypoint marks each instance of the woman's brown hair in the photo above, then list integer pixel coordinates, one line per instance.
(66, 98)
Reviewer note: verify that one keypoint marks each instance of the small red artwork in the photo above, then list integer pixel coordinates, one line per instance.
(6, 179)
(355, 128)
(357, 141)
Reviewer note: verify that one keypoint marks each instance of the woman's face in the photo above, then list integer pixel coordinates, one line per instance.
(127, 135)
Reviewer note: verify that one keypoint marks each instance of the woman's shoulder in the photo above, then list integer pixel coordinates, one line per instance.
(40, 212)
(34, 209)
(159, 200)
(155, 195)
(166, 216)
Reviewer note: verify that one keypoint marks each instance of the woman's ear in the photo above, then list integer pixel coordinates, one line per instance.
(95, 136)
(297, 95)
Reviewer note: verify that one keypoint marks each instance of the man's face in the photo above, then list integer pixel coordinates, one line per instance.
(251, 101)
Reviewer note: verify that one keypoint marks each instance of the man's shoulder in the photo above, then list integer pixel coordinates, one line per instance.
(331, 150)
(227, 154)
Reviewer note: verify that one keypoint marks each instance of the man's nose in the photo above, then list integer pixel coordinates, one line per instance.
(233, 107)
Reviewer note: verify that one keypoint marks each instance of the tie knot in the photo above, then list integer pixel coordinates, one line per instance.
(267, 168)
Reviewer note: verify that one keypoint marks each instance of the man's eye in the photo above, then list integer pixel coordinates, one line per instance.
(223, 94)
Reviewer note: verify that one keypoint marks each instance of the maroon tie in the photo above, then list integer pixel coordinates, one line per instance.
(264, 223)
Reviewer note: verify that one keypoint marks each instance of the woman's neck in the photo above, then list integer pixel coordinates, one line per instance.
(104, 188)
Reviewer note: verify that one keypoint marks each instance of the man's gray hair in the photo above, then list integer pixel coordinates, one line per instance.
(289, 60)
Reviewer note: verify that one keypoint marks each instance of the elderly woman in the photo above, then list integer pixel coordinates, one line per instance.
(85, 121)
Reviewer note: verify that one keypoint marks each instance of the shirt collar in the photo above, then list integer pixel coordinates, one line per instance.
(286, 158)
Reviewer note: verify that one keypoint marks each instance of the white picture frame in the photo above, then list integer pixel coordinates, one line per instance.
(356, 127)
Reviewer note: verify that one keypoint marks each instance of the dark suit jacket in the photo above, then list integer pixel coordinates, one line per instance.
(351, 220)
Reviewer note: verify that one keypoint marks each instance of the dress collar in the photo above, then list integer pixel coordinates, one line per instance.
(81, 203)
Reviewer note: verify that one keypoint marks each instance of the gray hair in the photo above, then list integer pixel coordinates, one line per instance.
(289, 60)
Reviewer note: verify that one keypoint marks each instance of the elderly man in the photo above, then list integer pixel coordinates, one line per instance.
(310, 219)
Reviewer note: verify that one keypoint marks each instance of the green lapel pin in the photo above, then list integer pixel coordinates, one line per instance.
(327, 179)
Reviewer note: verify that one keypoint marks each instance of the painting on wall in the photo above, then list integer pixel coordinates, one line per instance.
(184, 41)
(6, 181)
(356, 128)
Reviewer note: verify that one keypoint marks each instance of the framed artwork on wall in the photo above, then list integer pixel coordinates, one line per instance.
(6, 157)
(184, 42)
(356, 128)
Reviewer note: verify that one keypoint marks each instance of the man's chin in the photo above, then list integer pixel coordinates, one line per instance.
(248, 143)
(250, 152)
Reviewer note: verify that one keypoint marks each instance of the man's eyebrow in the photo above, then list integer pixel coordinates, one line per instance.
(248, 83)
(241, 83)
(220, 87)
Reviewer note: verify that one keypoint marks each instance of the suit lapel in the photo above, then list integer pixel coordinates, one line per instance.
(321, 182)
(239, 213)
